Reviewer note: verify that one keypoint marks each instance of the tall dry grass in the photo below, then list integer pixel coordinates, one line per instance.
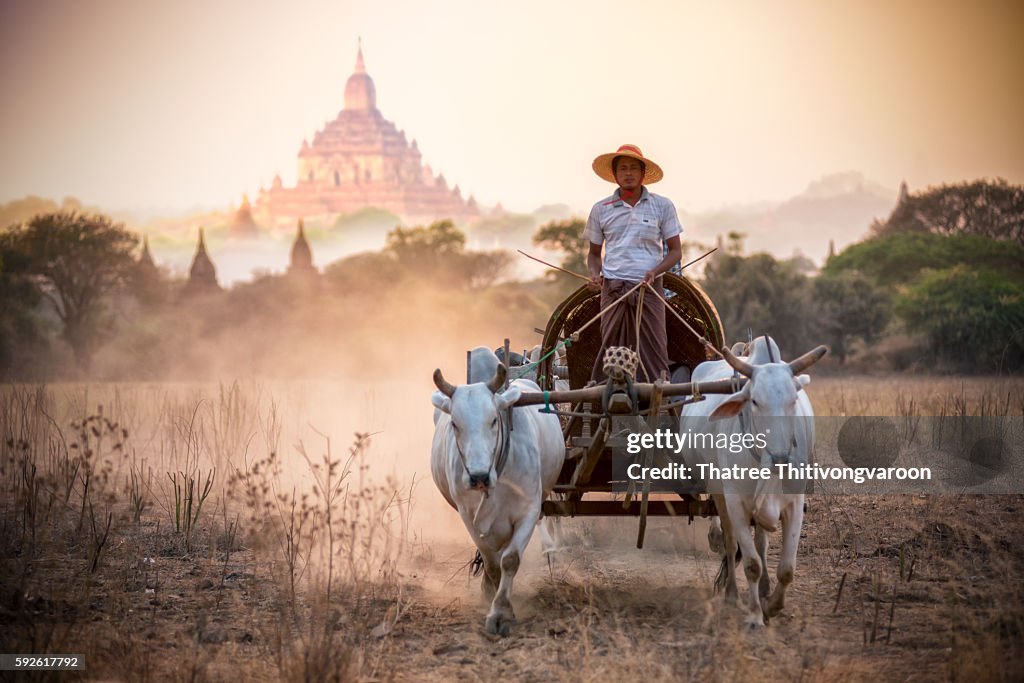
(213, 532)
(116, 498)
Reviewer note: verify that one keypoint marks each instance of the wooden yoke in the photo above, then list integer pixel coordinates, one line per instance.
(645, 392)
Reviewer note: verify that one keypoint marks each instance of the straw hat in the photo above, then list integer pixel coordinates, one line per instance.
(603, 164)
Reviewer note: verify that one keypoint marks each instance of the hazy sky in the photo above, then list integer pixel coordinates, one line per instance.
(178, 103)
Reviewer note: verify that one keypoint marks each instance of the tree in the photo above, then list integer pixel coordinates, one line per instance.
(973, 318)
(765, 296)
(850, 307)
(76, 261)
(435, 254)
(993, 209)
(565, 237)
(899, 258)
(420, 248)
(20, 329)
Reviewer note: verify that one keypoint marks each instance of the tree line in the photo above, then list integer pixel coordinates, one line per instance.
(72, 289)
(939, 285)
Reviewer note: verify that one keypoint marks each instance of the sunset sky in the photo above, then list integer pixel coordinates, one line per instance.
(172, 104)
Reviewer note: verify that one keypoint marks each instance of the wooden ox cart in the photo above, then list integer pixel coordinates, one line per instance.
(585, 485)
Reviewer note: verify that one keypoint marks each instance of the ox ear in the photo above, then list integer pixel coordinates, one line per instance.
(510, 396)
(441, 402)
(731, 407)
(802, 381)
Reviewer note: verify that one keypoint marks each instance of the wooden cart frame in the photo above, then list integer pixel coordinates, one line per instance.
(585, 484)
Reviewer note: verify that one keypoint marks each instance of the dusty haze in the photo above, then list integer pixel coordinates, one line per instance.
(178, 105)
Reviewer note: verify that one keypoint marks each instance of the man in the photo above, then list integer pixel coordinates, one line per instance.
(639, 234)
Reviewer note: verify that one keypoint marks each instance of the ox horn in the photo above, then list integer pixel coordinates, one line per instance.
(742, 367)
(807, 360)
(443, 385)
(498, 381)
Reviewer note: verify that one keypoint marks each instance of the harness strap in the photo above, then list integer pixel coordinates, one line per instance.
(502, 455)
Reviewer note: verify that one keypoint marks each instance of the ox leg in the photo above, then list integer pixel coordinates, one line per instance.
(501, 617)
(764, 585)
(716, 537)
(792, 521)
(726, 579)
(739, 521)
(492, 574)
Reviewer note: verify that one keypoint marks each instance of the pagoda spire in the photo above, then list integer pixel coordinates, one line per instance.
(360, 65)
(360, 93)
(202, 276)
(146, 258)
(301, 265)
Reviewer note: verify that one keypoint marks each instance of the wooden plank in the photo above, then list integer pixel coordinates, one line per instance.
(594, 452)
(689, 507)
(610, 442)
(644, 391)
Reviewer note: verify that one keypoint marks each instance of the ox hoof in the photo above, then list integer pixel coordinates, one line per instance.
(716, 540)
(499, 624)
(766, 611)
(754, 622)
(771, 607)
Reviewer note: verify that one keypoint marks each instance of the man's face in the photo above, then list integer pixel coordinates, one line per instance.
(629, 174)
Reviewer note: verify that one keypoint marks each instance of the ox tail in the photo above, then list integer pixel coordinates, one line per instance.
(722, 578)
(477, 565)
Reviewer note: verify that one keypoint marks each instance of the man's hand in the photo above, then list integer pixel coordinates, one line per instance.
(649, 277)
(594, 268)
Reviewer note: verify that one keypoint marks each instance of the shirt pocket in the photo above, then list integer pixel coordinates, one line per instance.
(650, 221)
(649, 228)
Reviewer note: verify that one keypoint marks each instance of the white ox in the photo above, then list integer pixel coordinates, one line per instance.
(774, 390)
(496, 477)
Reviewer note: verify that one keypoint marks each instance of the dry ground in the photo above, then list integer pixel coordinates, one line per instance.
(613, 612)
(902, 587)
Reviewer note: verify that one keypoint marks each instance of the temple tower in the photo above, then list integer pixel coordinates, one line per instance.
(145, 262)
(301, 265)
(243, 225)
(358, 160)
(202, 276)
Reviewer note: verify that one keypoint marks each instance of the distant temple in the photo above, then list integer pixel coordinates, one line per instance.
(202, 276)
(904, 194)
(243, 225)
(361, 159)
(145, 262)
(301, 265)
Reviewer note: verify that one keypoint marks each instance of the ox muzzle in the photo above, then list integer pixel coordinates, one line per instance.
(480, 481)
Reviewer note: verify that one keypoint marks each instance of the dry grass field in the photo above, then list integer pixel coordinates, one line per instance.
(291, 532)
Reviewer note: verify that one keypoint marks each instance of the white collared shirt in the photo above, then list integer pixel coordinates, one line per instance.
(633, 236)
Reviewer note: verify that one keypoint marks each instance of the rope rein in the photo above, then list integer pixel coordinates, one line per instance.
(637, 322)
(529, 367)
(705, 342)
(608, 308)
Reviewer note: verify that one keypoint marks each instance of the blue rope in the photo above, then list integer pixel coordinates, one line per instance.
(529, 366)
